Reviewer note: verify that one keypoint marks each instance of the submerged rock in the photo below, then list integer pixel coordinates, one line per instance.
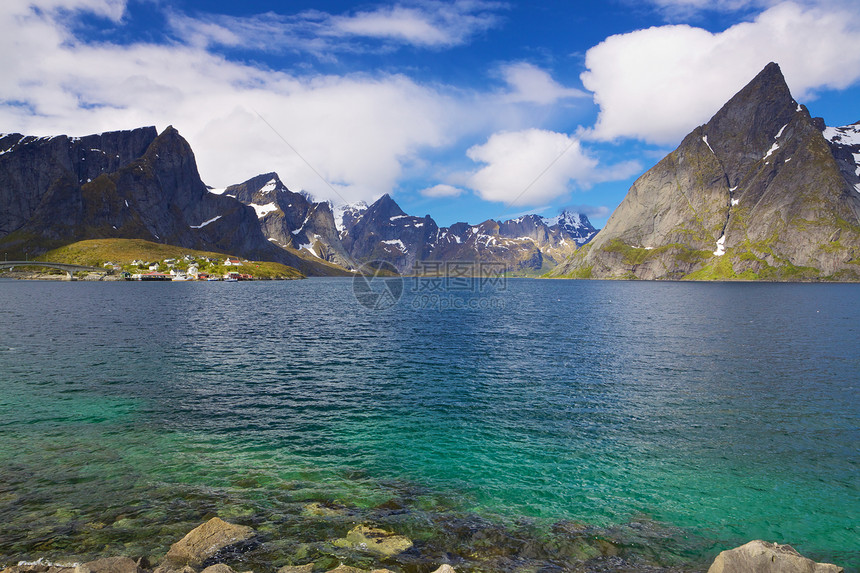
(319, 509)
(347, 569)
(206, 542)
(374, 540)
(763, 557)
(306, 568)
(220, 568)
(110, 565)
(38, 567)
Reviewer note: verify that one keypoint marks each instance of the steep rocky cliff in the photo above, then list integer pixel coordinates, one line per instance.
(292, 220)
(756, 193)
(31, 167)
(135, 184)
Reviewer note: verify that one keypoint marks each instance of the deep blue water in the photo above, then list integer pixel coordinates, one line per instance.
(676, 419)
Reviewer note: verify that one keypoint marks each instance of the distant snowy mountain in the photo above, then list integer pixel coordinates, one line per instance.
(345, 216)
(845, 143)
(356, 233)
(575, 224)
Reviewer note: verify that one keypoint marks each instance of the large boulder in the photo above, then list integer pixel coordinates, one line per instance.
(206, 542)
(763, 557)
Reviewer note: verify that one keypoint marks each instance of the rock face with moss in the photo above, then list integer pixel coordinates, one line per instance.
(756, 193)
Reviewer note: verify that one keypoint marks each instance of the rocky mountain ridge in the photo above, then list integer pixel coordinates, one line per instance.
(351, 235)
(127, 184)
(761, 191)
(140, 184)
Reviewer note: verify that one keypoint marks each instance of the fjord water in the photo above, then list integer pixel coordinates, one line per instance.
(679, 419)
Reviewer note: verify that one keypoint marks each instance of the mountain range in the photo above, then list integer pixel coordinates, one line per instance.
(144, 185)
(354, 234)
(761, 191)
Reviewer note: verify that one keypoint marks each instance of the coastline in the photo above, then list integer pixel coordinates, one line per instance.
(218, 546)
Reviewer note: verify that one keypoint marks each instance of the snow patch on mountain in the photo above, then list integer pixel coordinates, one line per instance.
(270, 186)
(355, 210)
(847, 135)
(397, 243)
(263, 210)
(204, 223)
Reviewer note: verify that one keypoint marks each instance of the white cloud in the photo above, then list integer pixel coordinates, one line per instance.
(111, 9)
(442, 190)
(595, 211)
(658, 84)
(676, 9)
(357, 132)
(426, 24)
(429, 23)
(530, 84)
(529, 167)
(338, 137)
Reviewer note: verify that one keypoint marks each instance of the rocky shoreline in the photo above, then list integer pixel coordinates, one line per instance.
(217, 546)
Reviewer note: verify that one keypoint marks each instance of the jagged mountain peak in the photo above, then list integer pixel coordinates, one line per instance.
(266, 183)
(261, 189)
(757, 192)
(568, 220)
(387, 207)
(743, 130)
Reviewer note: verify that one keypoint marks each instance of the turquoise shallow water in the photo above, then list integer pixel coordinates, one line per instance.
(671, 420)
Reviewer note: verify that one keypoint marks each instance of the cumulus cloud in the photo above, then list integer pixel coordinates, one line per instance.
(533, 167)
(658, 84)
(594, 211)
(428, 23)
(442, 190)
(530, 84)
(425, 24)
(356, 132)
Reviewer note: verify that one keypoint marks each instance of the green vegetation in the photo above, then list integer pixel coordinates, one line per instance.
(123, 252)
(721, 269)
(634, 256)
(580, 273)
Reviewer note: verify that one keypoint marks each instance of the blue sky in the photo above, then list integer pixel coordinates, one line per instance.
(464, 109)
